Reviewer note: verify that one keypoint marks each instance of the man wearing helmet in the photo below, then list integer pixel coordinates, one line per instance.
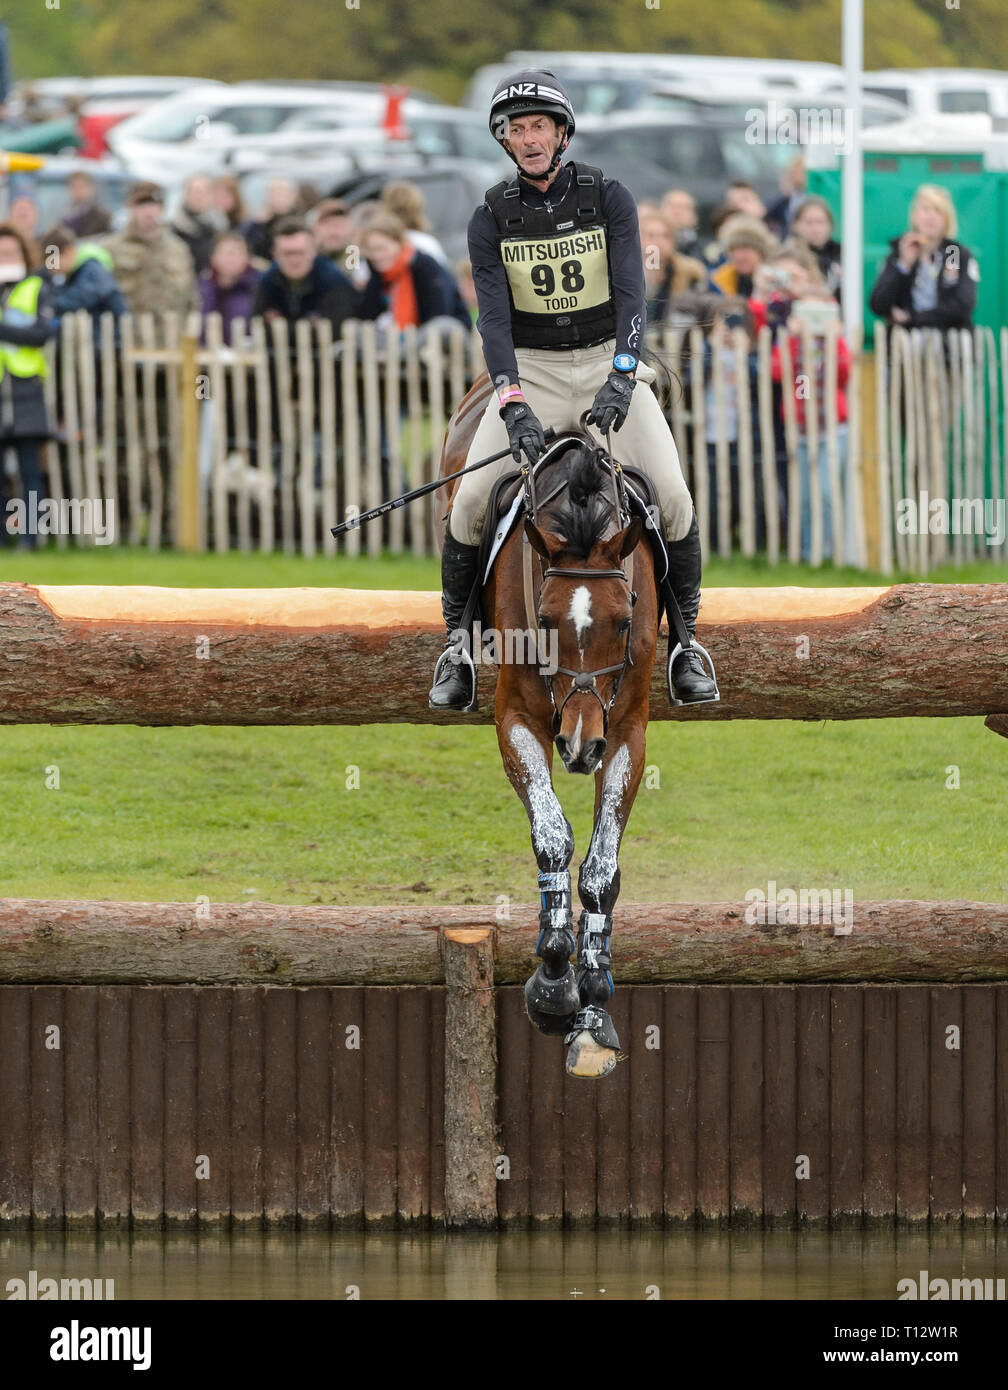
(559, 279)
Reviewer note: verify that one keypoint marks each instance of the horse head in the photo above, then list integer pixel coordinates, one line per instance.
(585, 607)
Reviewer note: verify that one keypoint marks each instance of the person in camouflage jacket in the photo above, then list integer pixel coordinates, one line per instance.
(154, 267)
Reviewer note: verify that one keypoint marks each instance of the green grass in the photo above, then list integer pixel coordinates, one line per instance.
(267, 814)
(124, 565)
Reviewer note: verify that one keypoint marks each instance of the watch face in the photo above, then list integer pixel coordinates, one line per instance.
(623, 362)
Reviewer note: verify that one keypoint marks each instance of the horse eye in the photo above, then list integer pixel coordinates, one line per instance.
(624, 625)
(544, 621)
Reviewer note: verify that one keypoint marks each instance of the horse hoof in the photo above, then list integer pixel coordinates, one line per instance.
(586, 1057)
(555, 1025)
(552, 1005)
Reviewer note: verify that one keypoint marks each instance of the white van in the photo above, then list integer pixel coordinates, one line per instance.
(931, 92)
(602, 82)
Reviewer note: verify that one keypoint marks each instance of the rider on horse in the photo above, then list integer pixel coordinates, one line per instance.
(559, 278)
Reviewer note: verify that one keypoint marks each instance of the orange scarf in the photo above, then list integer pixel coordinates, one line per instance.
(398, 281)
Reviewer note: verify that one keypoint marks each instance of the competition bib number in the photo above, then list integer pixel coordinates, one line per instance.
(557, 274)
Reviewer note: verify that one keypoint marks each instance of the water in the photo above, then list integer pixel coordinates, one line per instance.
(522, 1265)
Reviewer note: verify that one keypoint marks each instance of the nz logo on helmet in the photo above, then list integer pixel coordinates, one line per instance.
(524, 89)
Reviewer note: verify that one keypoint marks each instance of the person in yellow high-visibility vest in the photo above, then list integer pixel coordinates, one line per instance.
(26, 324)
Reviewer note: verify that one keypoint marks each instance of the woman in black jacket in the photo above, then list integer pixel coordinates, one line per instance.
(26, 324)
(928, 280)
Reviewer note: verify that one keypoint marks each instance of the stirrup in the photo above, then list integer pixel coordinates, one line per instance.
(462, 656)
(705, 656)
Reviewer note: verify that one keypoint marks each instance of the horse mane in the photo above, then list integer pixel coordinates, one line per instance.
(583, 511)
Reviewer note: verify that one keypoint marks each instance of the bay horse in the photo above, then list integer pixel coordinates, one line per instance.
(593, 709)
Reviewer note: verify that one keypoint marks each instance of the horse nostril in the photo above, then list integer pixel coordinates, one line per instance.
(562, 746)
(592, 753)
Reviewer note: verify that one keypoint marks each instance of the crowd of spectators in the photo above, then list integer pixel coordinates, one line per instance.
(781, 267)
(297, 257)
(300, 255)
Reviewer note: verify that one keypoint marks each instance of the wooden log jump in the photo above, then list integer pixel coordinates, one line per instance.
(869, 1055)
(52, 942)
(122, 655)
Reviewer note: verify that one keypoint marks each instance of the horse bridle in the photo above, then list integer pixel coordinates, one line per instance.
(584, 681)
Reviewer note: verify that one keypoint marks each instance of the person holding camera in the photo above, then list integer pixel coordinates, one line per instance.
(791, 294)
(929, 279)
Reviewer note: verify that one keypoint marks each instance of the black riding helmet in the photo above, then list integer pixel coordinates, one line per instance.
(531, 92)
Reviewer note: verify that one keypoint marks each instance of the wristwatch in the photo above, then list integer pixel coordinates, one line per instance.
(624, 362)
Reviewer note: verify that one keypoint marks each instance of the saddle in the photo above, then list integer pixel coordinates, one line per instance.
(505, 507)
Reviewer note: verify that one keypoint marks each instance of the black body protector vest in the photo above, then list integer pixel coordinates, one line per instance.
(557, 264)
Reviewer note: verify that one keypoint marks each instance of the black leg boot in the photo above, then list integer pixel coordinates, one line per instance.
(691, 680)
(454, 674)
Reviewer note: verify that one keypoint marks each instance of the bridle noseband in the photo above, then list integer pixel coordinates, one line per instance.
(584, 681)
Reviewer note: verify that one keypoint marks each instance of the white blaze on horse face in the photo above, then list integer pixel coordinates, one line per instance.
(549, 825)
(599, 868)
(580, 614)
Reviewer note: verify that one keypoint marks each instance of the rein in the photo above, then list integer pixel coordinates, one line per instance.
(584, 682)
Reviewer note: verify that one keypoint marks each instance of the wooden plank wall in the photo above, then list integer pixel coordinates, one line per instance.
(180, 1104)
(897, 1096)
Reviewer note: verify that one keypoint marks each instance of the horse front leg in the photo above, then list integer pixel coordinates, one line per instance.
(592, 1041)
(551, 993)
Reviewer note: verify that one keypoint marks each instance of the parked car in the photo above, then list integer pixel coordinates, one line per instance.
(653, 152)
(54, 92)
(737, 102)
(602, 82)
(942, 91)
(115, 99)
(188, 133)
(46, 97)
(429, 129)
(57, 136)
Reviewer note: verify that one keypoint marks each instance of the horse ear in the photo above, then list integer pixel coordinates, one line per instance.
(548, 543)
(629, 537)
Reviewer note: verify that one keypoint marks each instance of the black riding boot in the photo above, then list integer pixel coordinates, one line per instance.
(691, 680)
(454, 674)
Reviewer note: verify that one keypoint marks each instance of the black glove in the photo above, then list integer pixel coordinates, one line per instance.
(524, 431)
(610, 406)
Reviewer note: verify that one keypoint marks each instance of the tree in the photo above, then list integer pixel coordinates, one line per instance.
(439, 43)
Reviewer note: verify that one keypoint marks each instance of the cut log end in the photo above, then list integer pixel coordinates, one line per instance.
(467, 936)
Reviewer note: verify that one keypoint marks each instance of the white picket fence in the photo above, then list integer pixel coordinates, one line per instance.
(291, 431)
(940, 420)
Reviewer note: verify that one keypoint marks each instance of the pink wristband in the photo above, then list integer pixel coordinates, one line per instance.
(513, 393)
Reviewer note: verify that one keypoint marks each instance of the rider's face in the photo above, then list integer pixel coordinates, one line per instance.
(533, 140)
